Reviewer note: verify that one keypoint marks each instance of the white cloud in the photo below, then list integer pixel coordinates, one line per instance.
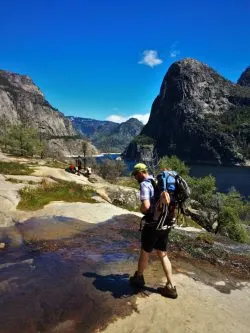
(173, 50)
(120, 119)
(174, 53)
(116, 118)
(150, 58)
(142, 117)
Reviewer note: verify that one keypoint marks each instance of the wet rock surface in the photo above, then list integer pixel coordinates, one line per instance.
(50, 278)
(64, 275)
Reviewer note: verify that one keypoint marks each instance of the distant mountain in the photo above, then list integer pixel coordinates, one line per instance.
(198, 116)
(107, 136)
(88, 127)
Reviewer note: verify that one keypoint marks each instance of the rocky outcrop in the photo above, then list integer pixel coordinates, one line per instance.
(200, 116)
(139, 152)
(69, 147)
(244, 79)
(124, 197)
(206, 218)
(22, 101)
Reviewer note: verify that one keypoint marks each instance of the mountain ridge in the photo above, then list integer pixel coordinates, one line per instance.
(199, 116)
(107, 135)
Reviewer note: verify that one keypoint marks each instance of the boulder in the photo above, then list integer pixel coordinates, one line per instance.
(124, 197)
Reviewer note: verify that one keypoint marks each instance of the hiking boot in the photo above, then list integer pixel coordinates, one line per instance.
(137, 281)
(168, 291)
(173, 222)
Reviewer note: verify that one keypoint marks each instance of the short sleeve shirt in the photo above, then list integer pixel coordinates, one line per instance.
(147, 191)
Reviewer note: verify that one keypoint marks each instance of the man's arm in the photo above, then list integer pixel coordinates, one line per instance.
(145, 205)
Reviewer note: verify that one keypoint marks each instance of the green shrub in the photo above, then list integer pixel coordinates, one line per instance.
(110, 169)
(205, 238)
(143, 140)
(245, 213)
(174, 163)
(22, 140)
(231, 225)
(202, 189)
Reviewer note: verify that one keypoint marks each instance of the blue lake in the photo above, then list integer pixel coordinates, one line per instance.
(226, 177)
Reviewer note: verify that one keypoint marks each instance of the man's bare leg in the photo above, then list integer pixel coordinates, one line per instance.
(137, 280)
(143, 262)
(167, 267)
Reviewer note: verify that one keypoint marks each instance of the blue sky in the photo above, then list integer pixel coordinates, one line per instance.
(101, 59)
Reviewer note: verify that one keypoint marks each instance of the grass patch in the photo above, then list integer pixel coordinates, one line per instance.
(56, 164)
(13, 168)
(205, 238)
(200, 246)
(19, 181)
(37, 198)
(14, 180)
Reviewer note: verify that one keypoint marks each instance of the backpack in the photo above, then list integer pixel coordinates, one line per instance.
(171, 191)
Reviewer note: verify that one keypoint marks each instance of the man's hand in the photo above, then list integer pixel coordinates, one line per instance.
(145, 205)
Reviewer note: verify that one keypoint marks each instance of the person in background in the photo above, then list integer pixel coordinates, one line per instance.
(79, 165)
(72, 168)
(150, 237)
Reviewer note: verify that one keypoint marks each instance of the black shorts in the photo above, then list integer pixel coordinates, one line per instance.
(154, 239)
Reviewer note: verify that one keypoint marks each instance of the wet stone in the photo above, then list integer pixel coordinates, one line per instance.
(65, 275)
(53, 281)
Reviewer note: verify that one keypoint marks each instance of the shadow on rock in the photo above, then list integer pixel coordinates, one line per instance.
(117, 284)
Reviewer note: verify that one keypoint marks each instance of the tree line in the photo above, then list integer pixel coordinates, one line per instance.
(20, 139)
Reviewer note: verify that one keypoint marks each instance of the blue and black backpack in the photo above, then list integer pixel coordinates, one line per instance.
(178, 191)
(174, 184)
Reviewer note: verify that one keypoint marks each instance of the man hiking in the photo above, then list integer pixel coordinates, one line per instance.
(150, 237)
(79, 165)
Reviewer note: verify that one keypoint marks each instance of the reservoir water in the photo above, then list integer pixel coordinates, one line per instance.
(226, 177)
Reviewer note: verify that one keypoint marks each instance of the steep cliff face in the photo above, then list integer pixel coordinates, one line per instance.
(200, 116)
(22, 101)
(70, 147)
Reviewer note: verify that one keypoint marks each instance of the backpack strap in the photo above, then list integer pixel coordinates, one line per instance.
(164, 178)
(152, 181)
